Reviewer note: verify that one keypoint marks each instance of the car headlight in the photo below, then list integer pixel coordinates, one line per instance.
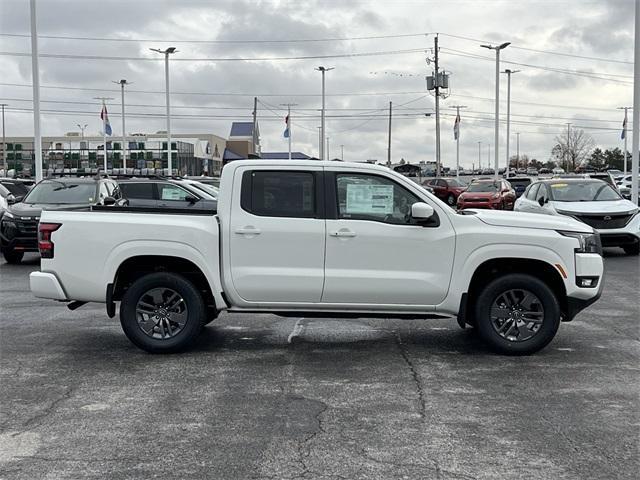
(8, 214)
(589, 242)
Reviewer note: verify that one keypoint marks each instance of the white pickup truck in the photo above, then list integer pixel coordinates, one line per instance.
(310, 238)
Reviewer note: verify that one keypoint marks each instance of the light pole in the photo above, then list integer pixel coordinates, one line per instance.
(323, 70)
(4, 143)
(635, 163)
(166, 54)
(489, 156)
(122, 83)
(342, 152)
(328, 157)
(479, 160)
(35, 75)
(517, 151)
(497, 48)
(509, 73)
(82, 128)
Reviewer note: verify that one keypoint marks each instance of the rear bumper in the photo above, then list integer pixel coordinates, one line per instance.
(46, 285)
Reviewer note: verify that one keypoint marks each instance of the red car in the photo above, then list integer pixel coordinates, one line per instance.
(446, 189)
(489, 193)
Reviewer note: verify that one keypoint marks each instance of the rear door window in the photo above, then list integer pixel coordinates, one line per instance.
(141, 191)
(279, 193)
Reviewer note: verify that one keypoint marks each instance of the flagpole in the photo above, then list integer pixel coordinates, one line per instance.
(457, 136)
(289, 127)
(104, 136)
(625, 140)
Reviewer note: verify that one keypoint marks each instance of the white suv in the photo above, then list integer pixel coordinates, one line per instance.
(591, 201)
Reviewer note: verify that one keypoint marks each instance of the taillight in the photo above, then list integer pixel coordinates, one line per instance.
(45, 245)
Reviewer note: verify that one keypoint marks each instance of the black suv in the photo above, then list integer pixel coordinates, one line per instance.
(19, 223)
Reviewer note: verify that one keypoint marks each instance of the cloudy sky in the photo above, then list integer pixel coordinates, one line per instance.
(575, 62)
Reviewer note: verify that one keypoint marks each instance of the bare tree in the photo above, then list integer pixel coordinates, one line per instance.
(572, 148)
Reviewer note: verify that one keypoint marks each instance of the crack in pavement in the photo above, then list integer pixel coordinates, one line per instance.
(304, 444)
(414, 375)
(46, 411)
(435, 468)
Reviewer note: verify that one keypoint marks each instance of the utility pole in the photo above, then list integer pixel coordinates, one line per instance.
(456, 134)
(342, 152)
(517, 150)
(4, 143)
(104, 131)
(479, 160)
(122, 83)
(496, 145)
(254, 134)
(624, 134)
(437, 87)
(323, 70)
(635, 163)
(35, 75)
(508, 72)
(288, 130)
(328, 156)
(320, 143)
(568, 145)
(389, 146)
(166, 54)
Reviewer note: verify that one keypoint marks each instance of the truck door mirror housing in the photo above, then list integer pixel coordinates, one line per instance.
(108, 201)
(191, 199)
(421, 211)
(542, 201)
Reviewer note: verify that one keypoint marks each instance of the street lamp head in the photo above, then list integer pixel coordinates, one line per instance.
(165, 52)
(173, 49)
(504, 45)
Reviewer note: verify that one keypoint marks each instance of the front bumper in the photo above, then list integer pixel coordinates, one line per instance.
(46, 285)
(481, 205)
(18, 235)
(576, 305)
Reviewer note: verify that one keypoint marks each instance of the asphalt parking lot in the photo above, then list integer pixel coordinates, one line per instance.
(267, 397)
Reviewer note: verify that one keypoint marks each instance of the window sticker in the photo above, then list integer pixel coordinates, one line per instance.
(367, 199)
(171, 194)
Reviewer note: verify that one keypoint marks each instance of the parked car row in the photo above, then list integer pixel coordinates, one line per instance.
(20, 208)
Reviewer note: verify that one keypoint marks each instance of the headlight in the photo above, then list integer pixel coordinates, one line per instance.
(8, 214)
(589, 242)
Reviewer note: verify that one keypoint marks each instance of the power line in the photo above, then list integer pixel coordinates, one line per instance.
(216, 42)
(223, 59)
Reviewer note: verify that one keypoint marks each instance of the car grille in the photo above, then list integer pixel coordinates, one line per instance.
(618, 239)
(475, 200)
(603, 221)
(27, 227)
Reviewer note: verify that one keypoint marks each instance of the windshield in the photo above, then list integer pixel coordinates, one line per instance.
(208, 189)
(55, 192)
(521, 182)
(16, 189)
(455, 183)
(482, 187)
(583, 192)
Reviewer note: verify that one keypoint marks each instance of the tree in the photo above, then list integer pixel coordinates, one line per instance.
(597, 160)
(572, 148)
(524, 161)
(600, 160)
(536, 164)
(550, 164)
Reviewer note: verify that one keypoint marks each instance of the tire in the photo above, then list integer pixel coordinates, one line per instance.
(13, 257)
(451, 200)
(176, 313)
(632, 249)
(530, 321)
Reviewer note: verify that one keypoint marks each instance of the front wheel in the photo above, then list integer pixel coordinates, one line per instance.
(13, 257)
(162, 313)
(451, 200)
(517, 314)
(632, 249)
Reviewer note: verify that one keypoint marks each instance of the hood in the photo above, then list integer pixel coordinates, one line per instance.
(34, 209)
(468, 194)
(613, 206)
(501, 218)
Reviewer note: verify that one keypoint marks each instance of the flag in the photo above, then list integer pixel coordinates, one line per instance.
(105, 120)
(624, 128)
(456, 127)
(287, 131)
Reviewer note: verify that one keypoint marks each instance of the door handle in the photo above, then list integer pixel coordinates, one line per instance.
(248, 231)
(343, 233)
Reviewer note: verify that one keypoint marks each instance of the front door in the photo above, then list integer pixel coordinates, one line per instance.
(277, 235)
(376, 253)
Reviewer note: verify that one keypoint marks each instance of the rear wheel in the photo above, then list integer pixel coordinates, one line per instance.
(632, 249)
(162, 313)
(517, 314)
(13, 257)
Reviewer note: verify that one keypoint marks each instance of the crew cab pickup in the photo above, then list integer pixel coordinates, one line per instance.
(312, 238)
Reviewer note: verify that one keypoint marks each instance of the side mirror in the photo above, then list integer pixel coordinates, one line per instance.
(108, 201)
(421, 211)
(11, 199)
(542, 201)
(191, 199)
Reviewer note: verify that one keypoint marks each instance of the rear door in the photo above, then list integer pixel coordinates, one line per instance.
(139, 194)
(376, 253)
(277, 234)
